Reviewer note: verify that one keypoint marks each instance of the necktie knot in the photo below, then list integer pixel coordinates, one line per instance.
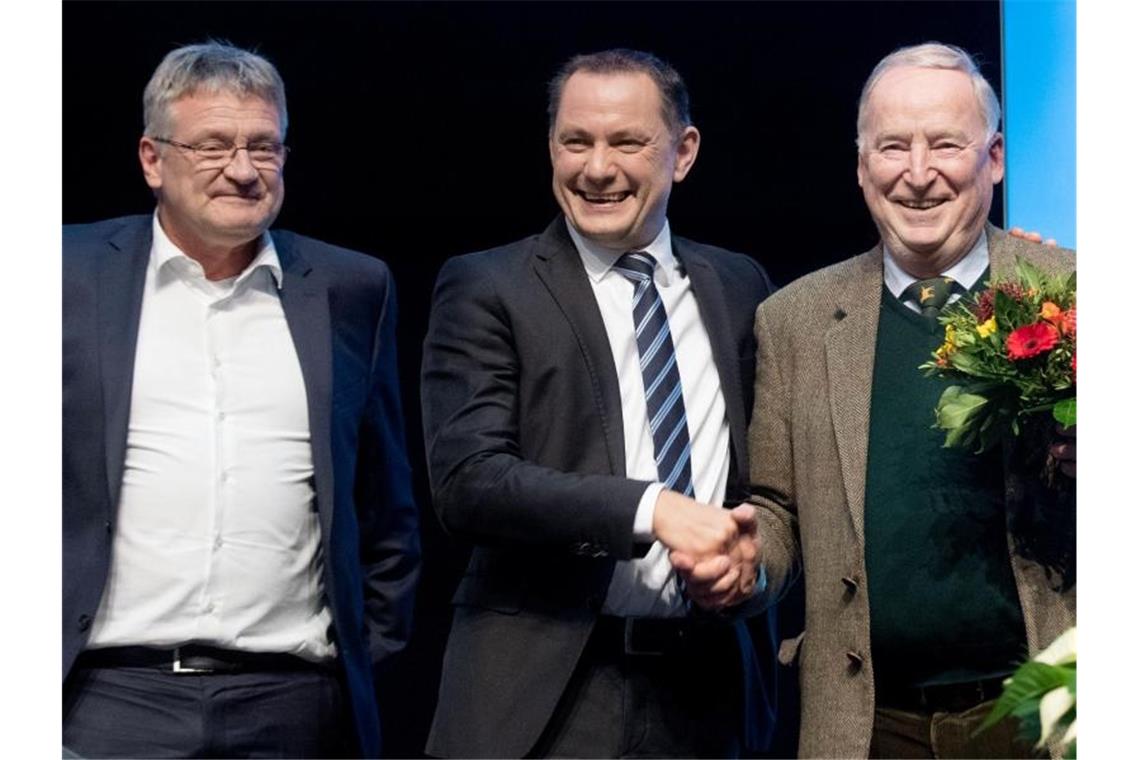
(930, 295)
(636, 266)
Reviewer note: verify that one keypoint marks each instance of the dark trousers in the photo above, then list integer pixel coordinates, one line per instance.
(684, 703)
(900, 733)
(144, 712)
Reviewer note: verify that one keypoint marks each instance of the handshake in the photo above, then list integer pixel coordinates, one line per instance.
(713, 549)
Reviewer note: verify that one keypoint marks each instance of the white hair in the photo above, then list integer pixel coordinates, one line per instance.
(933, 55)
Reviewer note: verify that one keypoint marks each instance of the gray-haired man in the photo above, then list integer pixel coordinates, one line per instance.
(928, 571)
(240, 542)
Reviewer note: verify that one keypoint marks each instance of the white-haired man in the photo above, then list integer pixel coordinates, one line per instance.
(240, 542)
(926, 578)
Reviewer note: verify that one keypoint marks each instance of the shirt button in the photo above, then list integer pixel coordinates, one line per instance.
(209, 608)
(221, 415)
(218, 542)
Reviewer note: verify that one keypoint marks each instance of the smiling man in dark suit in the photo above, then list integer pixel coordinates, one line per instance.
(586, 394)
(240, 540)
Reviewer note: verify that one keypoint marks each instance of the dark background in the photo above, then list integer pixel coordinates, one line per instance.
(419, 132)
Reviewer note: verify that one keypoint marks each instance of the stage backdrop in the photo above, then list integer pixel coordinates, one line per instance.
(419, 133)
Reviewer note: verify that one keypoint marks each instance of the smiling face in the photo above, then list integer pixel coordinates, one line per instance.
(615, 159)
(207, 210)
(927, 169)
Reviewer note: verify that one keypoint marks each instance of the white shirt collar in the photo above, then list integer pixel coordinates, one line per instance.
(966, 272)
(598, 260)
(163, 251)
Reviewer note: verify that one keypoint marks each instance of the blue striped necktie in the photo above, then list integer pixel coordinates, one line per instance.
(664, 402)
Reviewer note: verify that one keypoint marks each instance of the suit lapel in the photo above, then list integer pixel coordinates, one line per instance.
(850, 346)
(121, 279)
(304, 299)
(560, 268)
(712, 303)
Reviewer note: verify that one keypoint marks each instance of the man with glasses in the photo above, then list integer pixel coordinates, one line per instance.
(240, 540)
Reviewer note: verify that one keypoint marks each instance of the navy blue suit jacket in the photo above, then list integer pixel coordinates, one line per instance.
(523, 425)
(341, 310)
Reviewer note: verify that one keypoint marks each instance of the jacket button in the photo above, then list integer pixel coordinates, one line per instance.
(107, 526)
(854, 661)
(84, 622)
(851, 584)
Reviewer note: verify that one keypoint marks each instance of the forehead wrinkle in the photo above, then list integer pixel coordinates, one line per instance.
(225, 114)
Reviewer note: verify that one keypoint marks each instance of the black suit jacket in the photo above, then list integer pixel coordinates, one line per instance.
(523, 426)
(341, 310)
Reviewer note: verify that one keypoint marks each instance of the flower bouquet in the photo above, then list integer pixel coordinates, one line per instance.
(1013, 351)
(1042, 695)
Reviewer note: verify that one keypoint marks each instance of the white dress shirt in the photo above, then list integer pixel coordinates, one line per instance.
(217, 539)
(966, 272)
(645, 587)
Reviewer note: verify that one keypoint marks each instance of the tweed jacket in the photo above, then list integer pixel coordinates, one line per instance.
(808, 451)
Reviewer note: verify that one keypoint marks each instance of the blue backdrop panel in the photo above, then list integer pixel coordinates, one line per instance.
(1039, 71)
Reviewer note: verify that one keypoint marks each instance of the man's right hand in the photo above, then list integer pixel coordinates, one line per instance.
(700, 531)
(713, 549)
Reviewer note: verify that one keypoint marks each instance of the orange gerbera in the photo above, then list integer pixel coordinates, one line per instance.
(1031, 340)
(1069, 322)
(1051, 312)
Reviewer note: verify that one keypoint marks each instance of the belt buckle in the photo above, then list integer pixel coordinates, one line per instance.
(178, 667)
(631, 647)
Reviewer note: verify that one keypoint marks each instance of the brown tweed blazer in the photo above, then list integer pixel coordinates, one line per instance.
(808, 451)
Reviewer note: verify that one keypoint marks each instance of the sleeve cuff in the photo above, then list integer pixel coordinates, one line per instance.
(643, 519)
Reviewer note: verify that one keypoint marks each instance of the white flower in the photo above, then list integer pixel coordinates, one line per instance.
(1053, 706)
(1070, 734)
(1063, 650)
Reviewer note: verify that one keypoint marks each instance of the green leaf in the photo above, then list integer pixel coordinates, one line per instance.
(1065, 411)
(1029, 682)
(956, 407)
(1030, 275)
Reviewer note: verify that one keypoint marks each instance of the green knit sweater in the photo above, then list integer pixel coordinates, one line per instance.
(943, 602)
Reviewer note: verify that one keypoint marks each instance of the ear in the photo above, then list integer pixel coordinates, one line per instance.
(151, 160)
(860, 168)
(687, 148)
(997, 158)
(552, 147)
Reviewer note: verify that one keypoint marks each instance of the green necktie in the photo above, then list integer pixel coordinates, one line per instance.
(930, 295)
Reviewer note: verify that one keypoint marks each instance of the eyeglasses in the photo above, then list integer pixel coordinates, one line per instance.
(218, 153)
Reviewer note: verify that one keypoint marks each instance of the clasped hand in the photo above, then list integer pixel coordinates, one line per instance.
(713, 549)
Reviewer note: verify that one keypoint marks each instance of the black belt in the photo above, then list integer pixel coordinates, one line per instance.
(653, 636)
(950, 697)
(193, 659)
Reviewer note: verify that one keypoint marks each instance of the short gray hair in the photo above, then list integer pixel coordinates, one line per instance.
(211, 67)
(933, 55)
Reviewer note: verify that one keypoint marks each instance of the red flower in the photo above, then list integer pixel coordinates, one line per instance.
(985, 306)
(1013, 290)
(1031, 340)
